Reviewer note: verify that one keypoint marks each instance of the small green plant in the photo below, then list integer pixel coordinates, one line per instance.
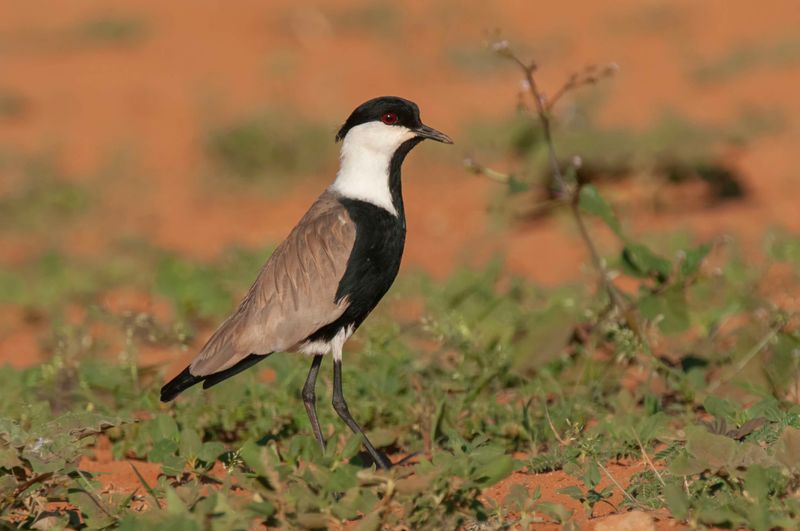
(42, 197)
(112, 29)
(270, 146)
(38, 461)
(589, 496)
(12, 104)
(746, 57)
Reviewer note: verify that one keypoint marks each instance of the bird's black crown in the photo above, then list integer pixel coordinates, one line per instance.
(391, 110)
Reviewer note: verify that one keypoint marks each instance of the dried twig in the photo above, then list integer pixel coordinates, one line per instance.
(648, 461)
(146, 486)
(569, 191)
(742, 363)
(620, 487)
(553, 427)
(590, 75)
(90, 491)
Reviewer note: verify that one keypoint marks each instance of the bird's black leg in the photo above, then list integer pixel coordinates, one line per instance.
(310, 399)
(341, 408)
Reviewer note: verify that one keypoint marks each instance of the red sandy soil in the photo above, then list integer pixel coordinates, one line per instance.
(119, 476)
(150, 101)
(549, 483)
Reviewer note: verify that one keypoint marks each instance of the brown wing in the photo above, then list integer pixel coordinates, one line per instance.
(294, 294)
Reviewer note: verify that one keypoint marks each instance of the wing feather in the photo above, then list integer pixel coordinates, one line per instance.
(293, 295)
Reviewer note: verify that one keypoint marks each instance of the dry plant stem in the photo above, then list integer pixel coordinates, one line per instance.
(758, 347)
(589, 76)
(567, 190)
(553, 428)
(40, 478)
(620, 487)
(648, 461)
(92, 494)
(528, 71)
(146, 486)
(613, 293)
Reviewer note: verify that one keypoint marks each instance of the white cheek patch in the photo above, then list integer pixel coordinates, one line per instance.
(367, 150)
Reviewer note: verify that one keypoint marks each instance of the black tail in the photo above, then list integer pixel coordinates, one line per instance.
(217, 377)
(179, 384)
(186, 379)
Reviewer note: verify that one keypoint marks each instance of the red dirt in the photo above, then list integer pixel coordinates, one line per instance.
(149, 102)
(549, 483)
(118, 476)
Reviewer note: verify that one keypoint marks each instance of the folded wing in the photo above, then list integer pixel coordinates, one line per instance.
(294, 294)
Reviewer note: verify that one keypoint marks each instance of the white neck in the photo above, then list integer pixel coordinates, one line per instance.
(367, 150)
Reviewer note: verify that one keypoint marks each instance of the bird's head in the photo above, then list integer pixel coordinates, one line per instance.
(384, 124)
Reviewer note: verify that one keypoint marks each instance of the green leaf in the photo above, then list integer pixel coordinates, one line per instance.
(721, 408)
(592, 476)
(590, 200)
(669, 307)
(493, 471)
(210, 451)
(370, 522)
(787, 449)
(756, 483)
(516, 186)
(9, 458)
(556, 511)
(716, 451)
(517, 495)
(313, 520)
(174, 503)
(164, 451)
(254, 456)
(164, 427)
(677, 500)
(8, 484)
(573, 492)
(640, 261)
(694, 259)
(383, 437)
(262, 508)
(351, 447)
(190, 443)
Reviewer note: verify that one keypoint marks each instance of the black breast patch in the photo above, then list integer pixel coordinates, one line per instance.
(372, 266)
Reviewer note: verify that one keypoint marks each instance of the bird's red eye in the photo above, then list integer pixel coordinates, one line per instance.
(389, 118)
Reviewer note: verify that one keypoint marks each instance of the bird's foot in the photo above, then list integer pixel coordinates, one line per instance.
(382, 460)
(407, 460)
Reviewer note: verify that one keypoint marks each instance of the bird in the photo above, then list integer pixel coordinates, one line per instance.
(324, 279)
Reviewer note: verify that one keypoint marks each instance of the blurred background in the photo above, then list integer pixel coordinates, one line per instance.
(151, 153)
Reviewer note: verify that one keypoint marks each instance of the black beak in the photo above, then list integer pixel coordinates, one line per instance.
(429, 132)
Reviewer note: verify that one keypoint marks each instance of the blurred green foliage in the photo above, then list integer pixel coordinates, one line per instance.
(746, 57)
(12, 104)
(271, 146)
(499, 375)
(506, 367)
(378, 17)
(672, 150)
(112, 29)
(40, 195)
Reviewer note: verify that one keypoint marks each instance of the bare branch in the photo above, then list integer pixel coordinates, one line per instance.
(590, 75)
(569, 191)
